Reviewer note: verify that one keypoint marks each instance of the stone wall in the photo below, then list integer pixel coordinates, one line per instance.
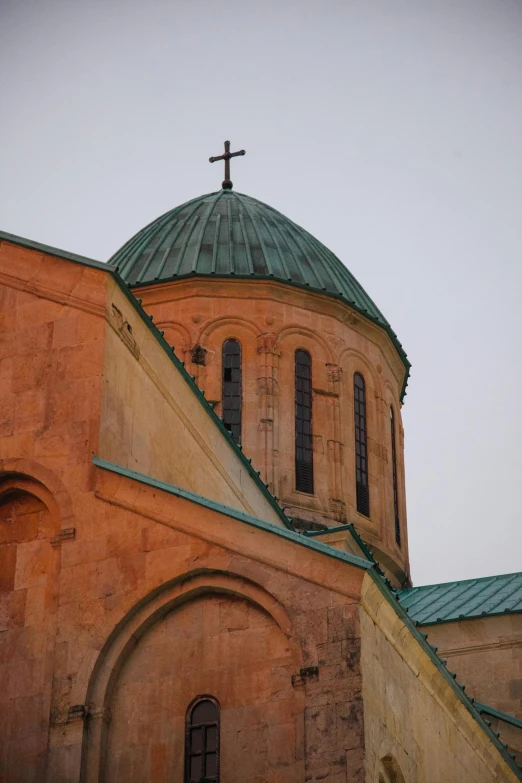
(215, 645)
(226, 611)
(272, 321)
(27, 602)
(151, 420)
(486, 654)
(412, 716)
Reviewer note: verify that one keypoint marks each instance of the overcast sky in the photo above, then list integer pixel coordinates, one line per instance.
(392, 130)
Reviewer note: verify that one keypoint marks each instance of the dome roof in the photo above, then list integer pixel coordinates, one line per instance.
(228, 234)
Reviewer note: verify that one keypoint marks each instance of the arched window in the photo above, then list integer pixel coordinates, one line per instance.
(395, 485)
(304, 453)
(361, 446)
(231, 388)
(202, 742)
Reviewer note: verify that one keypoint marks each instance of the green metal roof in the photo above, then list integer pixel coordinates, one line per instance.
(228, 234)
(490, 595)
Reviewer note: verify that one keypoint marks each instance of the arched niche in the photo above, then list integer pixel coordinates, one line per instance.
(212, 338)
(389, 770)
(29, 520)
(177, 337)
(353, 362)
(211, 633)
(290, 340)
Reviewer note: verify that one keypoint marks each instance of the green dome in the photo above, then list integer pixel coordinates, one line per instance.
(228, 234)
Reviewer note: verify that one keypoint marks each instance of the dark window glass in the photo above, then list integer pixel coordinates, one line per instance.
(395, 486)
(361, 446)
(231, 388)
(304, 454)
(202, 743)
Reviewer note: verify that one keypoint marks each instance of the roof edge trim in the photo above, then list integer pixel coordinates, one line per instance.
(53, 251)
(504, 716)
(241, 516)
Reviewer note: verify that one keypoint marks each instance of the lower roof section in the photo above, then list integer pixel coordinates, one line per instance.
(470, 598)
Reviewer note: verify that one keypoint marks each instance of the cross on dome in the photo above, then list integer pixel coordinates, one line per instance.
(227, 182)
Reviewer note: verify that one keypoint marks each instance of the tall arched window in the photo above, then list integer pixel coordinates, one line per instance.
(231, 388)
(361, 446)
(202, 742)
(395, 485)
(304, 453)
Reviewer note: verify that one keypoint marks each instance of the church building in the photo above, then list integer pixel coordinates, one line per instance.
(204, 572)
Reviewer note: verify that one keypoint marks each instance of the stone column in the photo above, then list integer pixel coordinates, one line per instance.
(337, 506)
(268, 396)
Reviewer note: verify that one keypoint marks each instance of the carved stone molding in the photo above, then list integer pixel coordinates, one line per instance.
(334, 372)
(267, 385)
(267, 343)
(66, 534)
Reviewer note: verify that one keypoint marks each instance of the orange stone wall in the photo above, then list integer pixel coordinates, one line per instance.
(271, 321)
(219, 645)
(120, 602)
(27, 600)
(85, 553)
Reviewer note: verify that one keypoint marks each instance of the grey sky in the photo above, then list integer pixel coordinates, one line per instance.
(390, 130)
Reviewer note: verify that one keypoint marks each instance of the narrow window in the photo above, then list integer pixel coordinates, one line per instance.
(361, 447)
(304, 455)
(231, 388)
(202, 742)
(395, 487)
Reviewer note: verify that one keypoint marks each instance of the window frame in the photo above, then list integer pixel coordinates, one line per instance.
(360, 416)
(395, 479)
(227, 400)
(303, 420)
(189, 726)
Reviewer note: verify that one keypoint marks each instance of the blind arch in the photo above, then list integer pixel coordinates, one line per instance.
(202, 741)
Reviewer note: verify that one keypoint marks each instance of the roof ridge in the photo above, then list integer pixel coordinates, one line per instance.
(458, 582)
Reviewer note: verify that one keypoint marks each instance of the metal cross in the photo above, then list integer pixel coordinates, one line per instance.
(227, 182)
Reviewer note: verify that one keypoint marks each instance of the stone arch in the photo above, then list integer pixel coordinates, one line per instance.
(29, 476)
(212, 337)
(353, 361)
(181, 328)
(177, 336)
(134, 626)
(310, 334)
(389, 770)
(33, 503)
(290, 339)
(361, 363)
(225, 320)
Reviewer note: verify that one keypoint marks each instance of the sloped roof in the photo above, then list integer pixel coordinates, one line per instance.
(229, 234)
(490, 595)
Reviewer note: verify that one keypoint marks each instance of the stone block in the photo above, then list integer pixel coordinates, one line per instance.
(32, 563)
(7, 567)
(12, 609)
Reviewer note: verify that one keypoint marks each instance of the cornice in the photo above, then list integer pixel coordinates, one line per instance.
(284, 294)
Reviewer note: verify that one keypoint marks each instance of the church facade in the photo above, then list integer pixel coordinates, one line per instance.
(204, 568)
